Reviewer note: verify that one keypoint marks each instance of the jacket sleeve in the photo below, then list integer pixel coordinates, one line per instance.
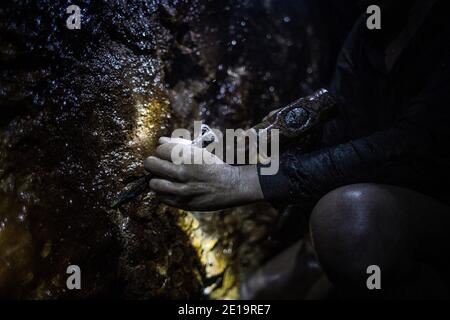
(409, 154)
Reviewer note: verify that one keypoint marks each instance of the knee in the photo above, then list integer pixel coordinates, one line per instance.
(346, 212)
(345, 227)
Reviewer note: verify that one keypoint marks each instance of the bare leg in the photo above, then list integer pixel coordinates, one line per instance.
(289, 275)
(404, 232)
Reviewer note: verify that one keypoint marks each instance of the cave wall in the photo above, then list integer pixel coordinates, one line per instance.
(81, 109)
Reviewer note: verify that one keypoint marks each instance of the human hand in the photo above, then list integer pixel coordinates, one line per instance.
(202, 187)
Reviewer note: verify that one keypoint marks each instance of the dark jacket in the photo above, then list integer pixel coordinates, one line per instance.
(393, 125)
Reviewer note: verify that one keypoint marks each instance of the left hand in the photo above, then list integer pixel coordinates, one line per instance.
(200, 187)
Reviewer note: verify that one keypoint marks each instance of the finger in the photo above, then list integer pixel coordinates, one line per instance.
(175, 188)
(179, 153)
(186, 154)
(164, 151)
(172, 201)
(168, 187)
(163, 168)
(164, 140)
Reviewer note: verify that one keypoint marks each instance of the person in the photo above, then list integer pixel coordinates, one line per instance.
(380, 169)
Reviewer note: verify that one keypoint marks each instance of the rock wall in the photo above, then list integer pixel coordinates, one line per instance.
(81, 109)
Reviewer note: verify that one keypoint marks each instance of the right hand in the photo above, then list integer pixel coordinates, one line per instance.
(201, 187)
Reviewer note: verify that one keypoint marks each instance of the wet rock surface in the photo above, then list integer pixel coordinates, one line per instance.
(81, 109)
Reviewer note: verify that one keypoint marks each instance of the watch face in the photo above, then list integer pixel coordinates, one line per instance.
(297, 118)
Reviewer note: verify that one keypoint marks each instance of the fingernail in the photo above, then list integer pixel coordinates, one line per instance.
(148, 160)
(162, 140)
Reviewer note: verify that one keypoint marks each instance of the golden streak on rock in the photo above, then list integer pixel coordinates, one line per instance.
(16, 251)
(211, 257)
(150, 124)
(150, 121)
(46, 250)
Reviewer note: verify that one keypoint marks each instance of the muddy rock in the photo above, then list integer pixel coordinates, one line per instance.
(81, 109)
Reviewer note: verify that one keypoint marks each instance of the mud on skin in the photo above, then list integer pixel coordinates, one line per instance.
(79, 111)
